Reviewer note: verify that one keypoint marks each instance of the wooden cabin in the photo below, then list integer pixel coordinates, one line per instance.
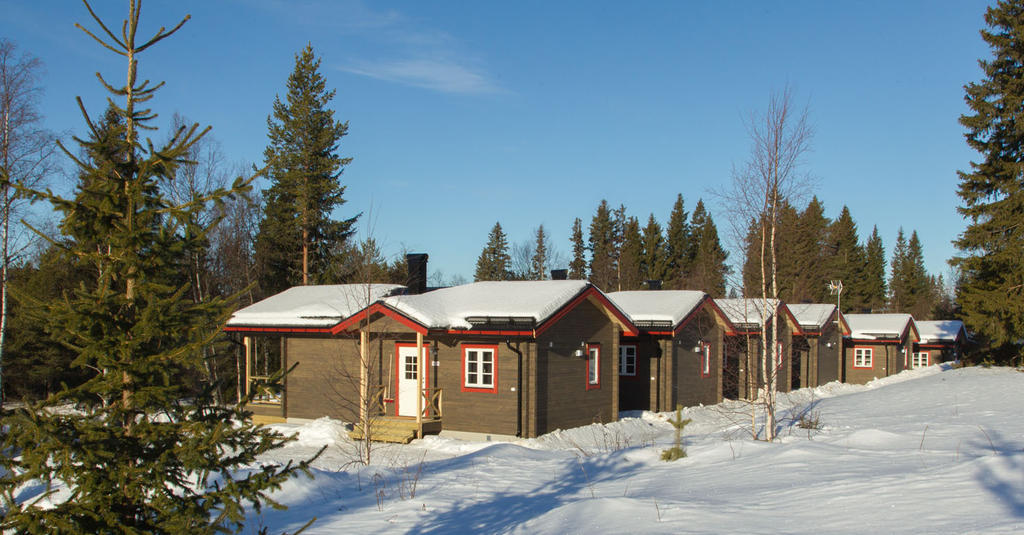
(501, 359)
(817, 345)
(878, 345)
(941, 341)
(676, 357)
(743, 373)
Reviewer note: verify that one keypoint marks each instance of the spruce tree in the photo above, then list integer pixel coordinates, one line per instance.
(809, 256)
(709, 258)
(539, 260)
(578, 264)
(898, 291)
(144, 451)
(603, 264)
(298, 241)
(653, 266)
(921, 296)
(677, 246)
(493, 262)
(631, 256)
(991, 290)
(874, 273)
(847, 260)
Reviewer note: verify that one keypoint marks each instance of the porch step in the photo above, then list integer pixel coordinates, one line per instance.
(395, 430)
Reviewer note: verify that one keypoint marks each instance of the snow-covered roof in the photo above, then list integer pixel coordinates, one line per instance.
(312, 306)
(940, 331)
(658, 305)
(452, 307)
(812, 314)
(747, 311)
(871, 326)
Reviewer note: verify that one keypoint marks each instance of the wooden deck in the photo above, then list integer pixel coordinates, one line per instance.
(397, 429)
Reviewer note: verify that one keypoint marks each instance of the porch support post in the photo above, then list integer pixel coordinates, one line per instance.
(247, 342)
(364, 382)
(421, 369)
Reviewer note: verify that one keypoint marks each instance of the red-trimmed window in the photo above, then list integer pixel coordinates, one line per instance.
(863, 357)
(627, 360)
(593, 366)
(480, 368)
(921, 359)
(705, 359)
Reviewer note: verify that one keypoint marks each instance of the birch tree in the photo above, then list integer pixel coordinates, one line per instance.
(25, 157)
(779, 139)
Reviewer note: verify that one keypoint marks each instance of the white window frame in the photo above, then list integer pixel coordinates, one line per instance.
(593, 366)
(627, 362)
(705, 357)
(918, 363)
(474, 362)
(863, 357)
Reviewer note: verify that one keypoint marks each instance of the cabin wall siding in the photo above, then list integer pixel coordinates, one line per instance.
(563, 400)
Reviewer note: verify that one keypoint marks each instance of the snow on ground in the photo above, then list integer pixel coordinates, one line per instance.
(934, 450)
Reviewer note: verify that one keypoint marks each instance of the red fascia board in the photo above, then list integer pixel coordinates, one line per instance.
(471, 332)
(287, 330)
(797, 330)
(939, 345)
(590, 291)
(911, 327)
(707, 301)
(378, 308)
(711, 302)
(881, 341)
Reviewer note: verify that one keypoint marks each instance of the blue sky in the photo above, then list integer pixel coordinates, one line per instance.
(466, 113)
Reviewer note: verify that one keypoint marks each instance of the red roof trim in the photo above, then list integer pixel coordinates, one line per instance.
(706, 301)
(293, 330)
(378, 308)
(876, 341)
(488, 333)
(590, 291)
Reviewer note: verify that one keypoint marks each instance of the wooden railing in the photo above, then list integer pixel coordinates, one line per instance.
(433, 402)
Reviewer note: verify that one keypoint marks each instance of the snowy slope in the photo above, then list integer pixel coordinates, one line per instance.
(931, 450)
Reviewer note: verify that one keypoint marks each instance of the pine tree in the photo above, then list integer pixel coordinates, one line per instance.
(298, 242)
(787, 252)
(653, 266)
(709, 267)
(991, 292)
(493, 263)
(677, 247)
(144, 451)
(631, 256)
(539, 261)
(874, 273)
(619, 222)
(578, 264)
(602, 249)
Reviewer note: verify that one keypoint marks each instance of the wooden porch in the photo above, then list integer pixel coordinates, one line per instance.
(401, 429)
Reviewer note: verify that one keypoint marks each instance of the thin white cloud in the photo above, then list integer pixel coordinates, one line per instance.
(443, 76)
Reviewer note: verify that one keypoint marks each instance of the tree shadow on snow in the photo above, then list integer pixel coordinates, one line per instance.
(501, 511)
(1003, 474)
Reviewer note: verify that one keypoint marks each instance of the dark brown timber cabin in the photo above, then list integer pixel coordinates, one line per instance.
(502, 359)
(941, 341)
(818, 345)
(879, 345)
(742, 371)
(676, 358)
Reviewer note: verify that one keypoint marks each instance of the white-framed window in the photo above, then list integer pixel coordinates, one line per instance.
(705, 359)
(778, 355)
(863, 357)
(593, 366)
(921, 359)
(479, 368)
(627, 360)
